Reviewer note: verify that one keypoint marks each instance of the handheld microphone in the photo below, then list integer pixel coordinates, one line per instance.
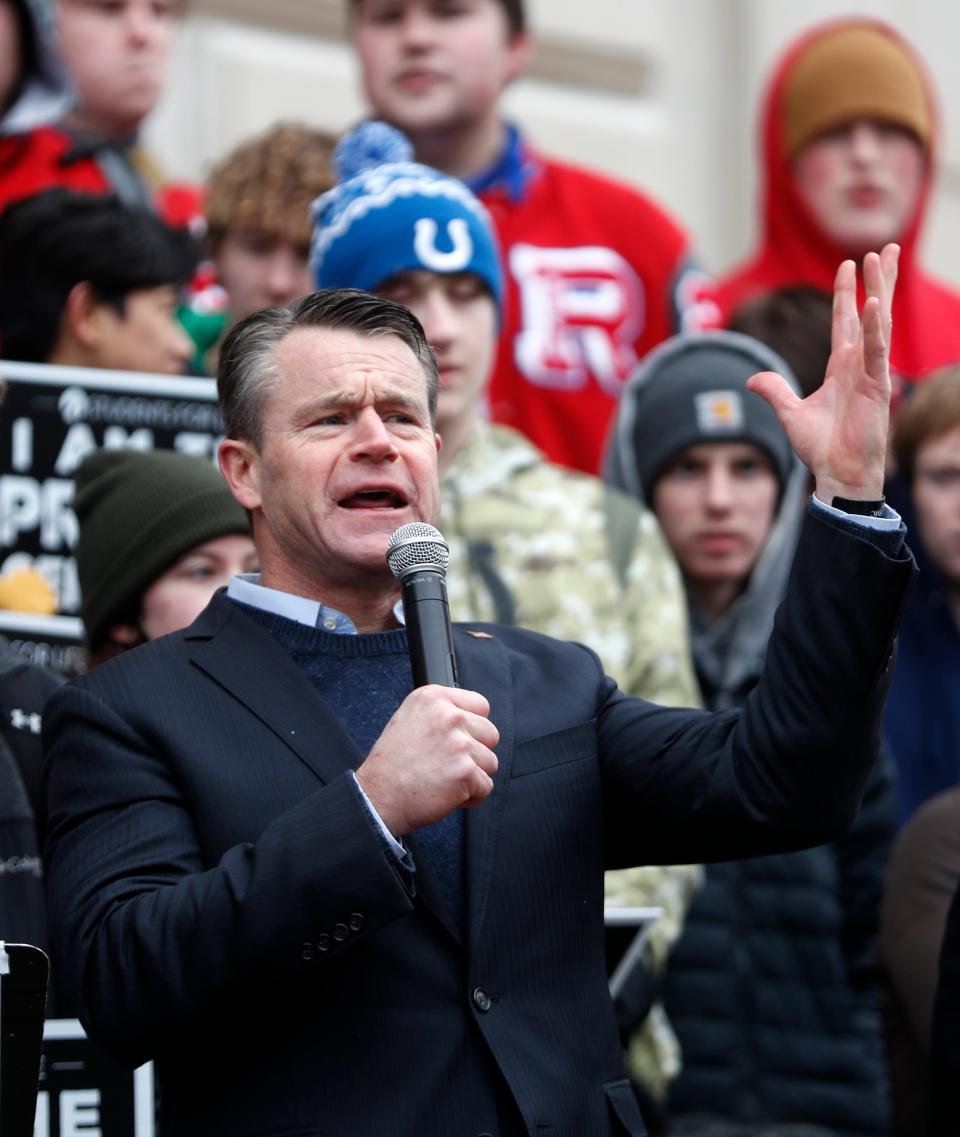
(417, 555)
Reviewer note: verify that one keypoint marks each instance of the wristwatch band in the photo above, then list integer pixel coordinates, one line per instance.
(861, 508)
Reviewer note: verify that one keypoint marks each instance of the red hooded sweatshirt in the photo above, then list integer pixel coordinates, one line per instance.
(795, 251)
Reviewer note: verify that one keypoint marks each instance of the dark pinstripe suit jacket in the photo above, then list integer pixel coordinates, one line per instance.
(222, 903)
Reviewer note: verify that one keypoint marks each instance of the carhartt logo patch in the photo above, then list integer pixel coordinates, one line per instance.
(719, 412)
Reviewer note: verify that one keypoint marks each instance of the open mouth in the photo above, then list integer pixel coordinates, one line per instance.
(374, 499)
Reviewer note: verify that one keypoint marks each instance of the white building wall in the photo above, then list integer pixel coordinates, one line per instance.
(663, 93)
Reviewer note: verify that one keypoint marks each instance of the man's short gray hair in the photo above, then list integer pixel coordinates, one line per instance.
(247, 372)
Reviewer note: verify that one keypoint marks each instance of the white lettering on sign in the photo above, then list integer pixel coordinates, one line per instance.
(22, 444)
(41, 1119)
(80, 1113)
(26, 504)
(581, 312)
(119, 438)
(78, 443)
(81, 441)
(19, 507)
(21, 865)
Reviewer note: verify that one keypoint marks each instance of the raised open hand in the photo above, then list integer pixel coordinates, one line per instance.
(840, 431)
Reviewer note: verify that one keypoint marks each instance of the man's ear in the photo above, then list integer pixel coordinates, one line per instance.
(84, 317)
(520, 51)
(240, 466)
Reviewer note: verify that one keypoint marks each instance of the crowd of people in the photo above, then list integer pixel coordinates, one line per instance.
(607, 471)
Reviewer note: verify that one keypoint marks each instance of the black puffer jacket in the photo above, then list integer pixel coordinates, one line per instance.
(23, 692)
(771, 989)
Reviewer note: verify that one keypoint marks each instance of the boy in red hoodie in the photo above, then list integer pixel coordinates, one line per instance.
(849, 147)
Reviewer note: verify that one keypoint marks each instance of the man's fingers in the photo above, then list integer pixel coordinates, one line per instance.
(486, 760)
(890, 265)
(874, 341)
(460, 697)
(776, 390)
(880, 278)
(475, 708)
(472, 762)
(479, 789)
(482, 729)
(845, 328)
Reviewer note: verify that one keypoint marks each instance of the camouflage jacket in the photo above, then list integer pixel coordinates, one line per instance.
(543, 547)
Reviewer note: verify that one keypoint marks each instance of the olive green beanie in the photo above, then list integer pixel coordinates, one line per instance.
(139, 513)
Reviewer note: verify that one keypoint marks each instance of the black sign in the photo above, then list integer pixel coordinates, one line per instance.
(83, 1093)
(24, 970)
(53, 417)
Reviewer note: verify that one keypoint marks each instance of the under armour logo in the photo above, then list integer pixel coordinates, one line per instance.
(23, 720)
(425, 245)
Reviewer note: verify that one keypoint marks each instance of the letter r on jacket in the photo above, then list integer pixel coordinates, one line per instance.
(581, 313)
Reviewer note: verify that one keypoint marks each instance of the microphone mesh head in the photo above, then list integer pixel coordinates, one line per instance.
(417, 546)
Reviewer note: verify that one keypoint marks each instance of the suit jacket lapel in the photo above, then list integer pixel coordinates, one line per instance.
(246, 661)
(483, 667)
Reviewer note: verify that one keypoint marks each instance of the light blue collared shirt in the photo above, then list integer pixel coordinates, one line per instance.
(246, 588)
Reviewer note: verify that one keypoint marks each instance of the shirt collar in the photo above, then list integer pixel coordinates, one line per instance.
(246, 588)
(512, 171)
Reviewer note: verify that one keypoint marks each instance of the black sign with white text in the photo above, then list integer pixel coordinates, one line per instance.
(53, 643)
(85, 1094)
(53, 417)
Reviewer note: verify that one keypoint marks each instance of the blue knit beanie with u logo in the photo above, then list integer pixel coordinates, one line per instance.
(388, 214)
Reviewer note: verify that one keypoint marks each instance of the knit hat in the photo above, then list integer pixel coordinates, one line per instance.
(693, 389)
(390, 215)
(851, 73)
(139, 512)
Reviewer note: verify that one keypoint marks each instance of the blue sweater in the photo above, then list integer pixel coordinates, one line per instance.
(364, 679)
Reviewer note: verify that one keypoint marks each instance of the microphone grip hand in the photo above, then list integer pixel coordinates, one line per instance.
(435, 755)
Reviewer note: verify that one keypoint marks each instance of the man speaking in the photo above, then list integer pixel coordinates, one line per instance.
(328, 903)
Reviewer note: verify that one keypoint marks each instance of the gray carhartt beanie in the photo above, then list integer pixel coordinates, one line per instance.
(693, 389)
